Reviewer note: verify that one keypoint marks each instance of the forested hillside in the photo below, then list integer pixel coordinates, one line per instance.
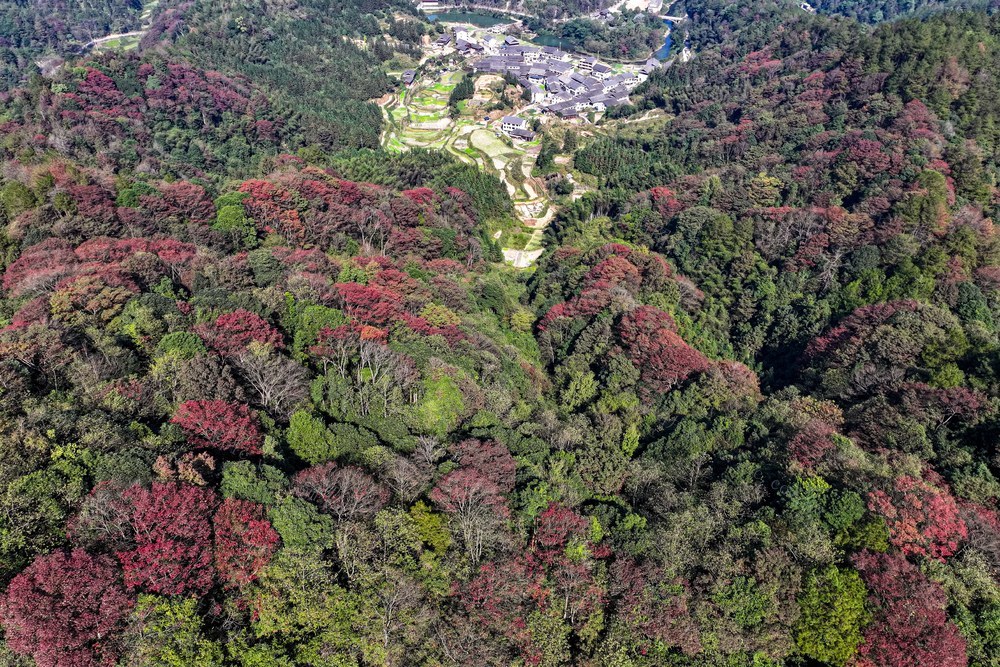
(868, 11)
(32, 29)
(626, 37)
(268, 396)
(320, 59)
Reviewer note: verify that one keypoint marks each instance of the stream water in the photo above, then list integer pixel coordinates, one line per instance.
(664, 51)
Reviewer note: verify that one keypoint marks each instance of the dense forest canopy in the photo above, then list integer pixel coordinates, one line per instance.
(876, 12)
(269, 396)
(628, 36)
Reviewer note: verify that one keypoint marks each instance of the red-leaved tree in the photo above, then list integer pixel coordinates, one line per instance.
(922, 519)
(172, 552)
(475, 505)
(654, 606)
(499, 598)
(66, 610)
(813, 441)
(232, 332)
(615, 271)
(228, 427)
(490, 458)
(244, 541)
(40, 267)
(910, 628)
(562, 545)
(653, 346)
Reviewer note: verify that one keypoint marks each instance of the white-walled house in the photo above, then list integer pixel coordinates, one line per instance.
(510, 123)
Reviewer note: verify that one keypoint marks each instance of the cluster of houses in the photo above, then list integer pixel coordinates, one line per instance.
(562, 84)
(465, 45)
(559, 82)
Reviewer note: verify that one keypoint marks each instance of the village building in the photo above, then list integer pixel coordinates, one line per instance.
(501, 28)
(651, 65)
(564, 109)
(602, 71)
(552, 53)
(465, 47)
(510, 123)
(523, 135)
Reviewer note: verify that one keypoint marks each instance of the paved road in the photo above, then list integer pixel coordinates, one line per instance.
(522, 259)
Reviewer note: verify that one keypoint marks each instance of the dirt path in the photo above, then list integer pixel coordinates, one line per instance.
(146, 17)
(117, 35)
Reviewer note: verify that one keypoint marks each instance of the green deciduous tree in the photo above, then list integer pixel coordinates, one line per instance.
(832, 606)
(167, 632)
(310, 439)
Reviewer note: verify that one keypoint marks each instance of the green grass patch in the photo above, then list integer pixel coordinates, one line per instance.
(426, 118)
(534, 241)
(489, 143)
(518, 241)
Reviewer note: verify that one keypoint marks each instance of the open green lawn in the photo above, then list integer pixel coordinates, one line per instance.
(535, 242)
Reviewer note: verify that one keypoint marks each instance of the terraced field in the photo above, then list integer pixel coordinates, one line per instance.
(418, 117)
